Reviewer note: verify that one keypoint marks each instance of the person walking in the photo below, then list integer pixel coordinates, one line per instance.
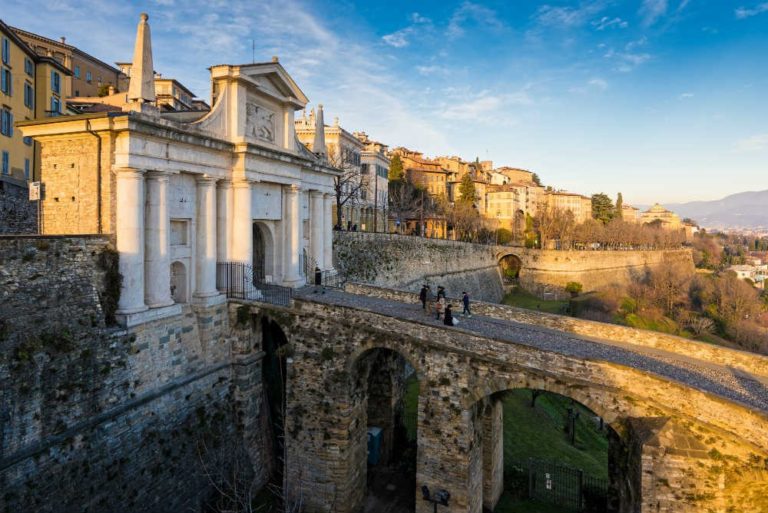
(318, 280)
(448, 317)
(440, 292)
(430, 298)
(423, 297)
(439, 307)
(465, 301)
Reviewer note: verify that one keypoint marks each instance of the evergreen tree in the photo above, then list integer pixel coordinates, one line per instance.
(619, 207)
(536, 179)
(602, 208)
(395, 169)
(467, 190)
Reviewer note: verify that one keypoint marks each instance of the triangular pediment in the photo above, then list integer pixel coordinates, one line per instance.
(272, 79)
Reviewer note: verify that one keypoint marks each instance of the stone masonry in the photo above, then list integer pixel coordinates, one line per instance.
(17, 213)
(403, 262)
(98, 418)
(676, 449)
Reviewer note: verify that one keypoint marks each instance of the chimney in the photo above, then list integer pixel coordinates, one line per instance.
(63, 40)
(141, 88)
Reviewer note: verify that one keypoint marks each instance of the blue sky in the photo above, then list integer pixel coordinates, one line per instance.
(663, 100)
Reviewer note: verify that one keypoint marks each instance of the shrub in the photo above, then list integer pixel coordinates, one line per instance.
(574, 288)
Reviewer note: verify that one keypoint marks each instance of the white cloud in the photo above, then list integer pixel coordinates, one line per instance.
(567, 17)
(418, 18)
(606, 22)
(747, 12)
(757, 142)
(598, 83)
(593, 85)
(431, 70)
(652, 10)
(397, 39)
(471, 12)
(484, 107)
(684, 96)
(630, 58)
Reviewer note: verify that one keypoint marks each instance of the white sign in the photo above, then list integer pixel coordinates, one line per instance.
(34, 191)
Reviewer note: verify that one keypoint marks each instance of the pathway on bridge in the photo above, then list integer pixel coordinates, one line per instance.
(729, 383)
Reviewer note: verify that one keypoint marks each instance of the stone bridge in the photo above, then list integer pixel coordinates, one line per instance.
(689, 421)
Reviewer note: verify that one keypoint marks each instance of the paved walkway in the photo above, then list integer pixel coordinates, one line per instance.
(729, 383)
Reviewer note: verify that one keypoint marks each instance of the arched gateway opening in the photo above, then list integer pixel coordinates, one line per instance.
(544, 452)
(390, 389)
(510, 268)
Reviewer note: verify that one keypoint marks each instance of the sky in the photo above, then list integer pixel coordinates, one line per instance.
(662, 100)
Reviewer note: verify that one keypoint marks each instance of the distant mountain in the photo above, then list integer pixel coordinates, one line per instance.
(742, 210)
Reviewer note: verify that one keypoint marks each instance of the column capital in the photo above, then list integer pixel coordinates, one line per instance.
(316, 193)
(205, 179)
(224, 183)
(129, 172)
(157, 175)
(241, 184)
(292, 188)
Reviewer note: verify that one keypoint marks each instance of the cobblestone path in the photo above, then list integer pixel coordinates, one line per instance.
(732, 384)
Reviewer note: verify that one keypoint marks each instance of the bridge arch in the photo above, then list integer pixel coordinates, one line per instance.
(510, 265)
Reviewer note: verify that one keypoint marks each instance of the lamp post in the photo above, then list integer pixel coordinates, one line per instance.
(440, 497)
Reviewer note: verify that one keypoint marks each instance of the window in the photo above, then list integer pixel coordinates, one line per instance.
(29, 95)
(6, 51)
(27, 141)
(55, 82)
(6, 122)
(5, 163)
(77, 71)
(55, 106)
(29, 69)
(364, 169)
(88, 77)
(6, 81)
(26, 169)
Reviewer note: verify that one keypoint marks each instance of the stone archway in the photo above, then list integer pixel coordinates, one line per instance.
(510, 266)
(179, 282)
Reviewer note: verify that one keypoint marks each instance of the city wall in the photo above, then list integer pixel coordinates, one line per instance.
(404, 262)
(17, 213)
(97, 418)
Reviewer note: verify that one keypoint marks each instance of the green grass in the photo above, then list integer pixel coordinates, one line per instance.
(538, 433)
(507, 504)
(411, 409)
(523, 299)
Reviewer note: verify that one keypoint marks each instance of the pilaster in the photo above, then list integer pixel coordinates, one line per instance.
(241, 242)
(224, 217)
(317, 224)
(205, 247)
(328, 231)
(292, 276)
(157, 264)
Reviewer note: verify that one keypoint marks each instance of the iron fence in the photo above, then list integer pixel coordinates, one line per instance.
(241, 281)
(554, 483)
(331, 279)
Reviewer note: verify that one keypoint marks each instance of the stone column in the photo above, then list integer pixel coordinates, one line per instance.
(130, 239)
(292, 273)
(317, 227)
(493, 454)
(205, 247)
(157, 266)
(328, 231)
(241, 241)
(224, 215)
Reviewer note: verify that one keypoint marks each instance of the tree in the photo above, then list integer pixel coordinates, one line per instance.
(396, 172)
(348, 183)
(536, 179)
(404, 201)
(554, 223)
(602, 207)
(574, 288)
(467, 191)
(619, 206)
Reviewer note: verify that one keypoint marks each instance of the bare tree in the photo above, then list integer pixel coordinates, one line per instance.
(349, 183)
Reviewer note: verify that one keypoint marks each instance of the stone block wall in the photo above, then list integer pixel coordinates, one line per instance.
(404, 262)
(102, 419)
(17, 213)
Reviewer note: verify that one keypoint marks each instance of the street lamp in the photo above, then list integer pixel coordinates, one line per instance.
(440, 497)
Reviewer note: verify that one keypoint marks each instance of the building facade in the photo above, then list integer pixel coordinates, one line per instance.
(374, 197)
(580, 206)
(234, 185)
(89, 75)
(31, 87)
(668, 219)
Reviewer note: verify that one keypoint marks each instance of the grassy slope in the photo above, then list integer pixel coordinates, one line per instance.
(523, 299)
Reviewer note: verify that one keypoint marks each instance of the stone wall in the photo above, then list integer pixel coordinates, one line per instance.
(17, 213)
(404, 262)
(97, 418)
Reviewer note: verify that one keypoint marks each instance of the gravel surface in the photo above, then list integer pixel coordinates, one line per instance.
(723, 381)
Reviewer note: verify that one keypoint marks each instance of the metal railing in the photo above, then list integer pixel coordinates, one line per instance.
(240, 281)
(330, 279)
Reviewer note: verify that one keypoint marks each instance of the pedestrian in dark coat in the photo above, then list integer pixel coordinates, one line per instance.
(318, 280)
(448, 317)
(440, 292)
(423, 297)
(465, 300)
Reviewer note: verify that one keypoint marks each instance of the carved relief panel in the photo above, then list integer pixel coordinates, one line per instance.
(260, 123)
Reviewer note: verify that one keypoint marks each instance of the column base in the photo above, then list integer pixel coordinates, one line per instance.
(161, 304)
(129, 320)
(131, 311)
(209, 299)
(294, 282)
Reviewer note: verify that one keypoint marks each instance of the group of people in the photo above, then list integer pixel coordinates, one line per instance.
(442, 308)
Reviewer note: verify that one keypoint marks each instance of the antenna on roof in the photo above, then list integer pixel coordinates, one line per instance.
(253, 51)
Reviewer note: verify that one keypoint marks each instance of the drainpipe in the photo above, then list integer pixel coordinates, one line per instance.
(98, 174)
